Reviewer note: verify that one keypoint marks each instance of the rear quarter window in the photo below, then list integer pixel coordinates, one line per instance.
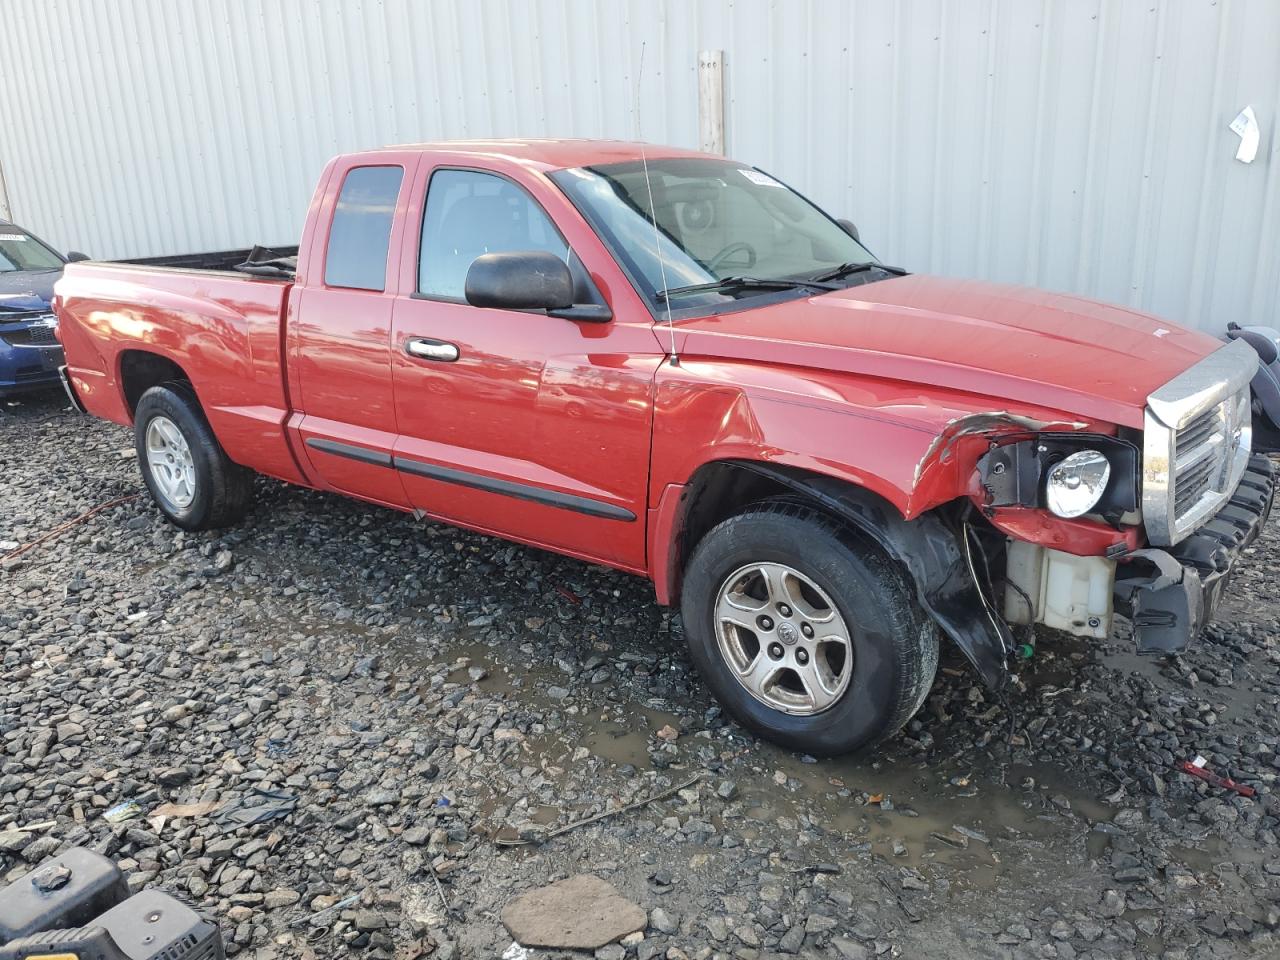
(360, 233)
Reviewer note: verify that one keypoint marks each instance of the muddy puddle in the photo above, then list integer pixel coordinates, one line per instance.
(975, 830)
(619, 734)
(1238, 705)
(895, 812)
(916, 815)
(977, 824)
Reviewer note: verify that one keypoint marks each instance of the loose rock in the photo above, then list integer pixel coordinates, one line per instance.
(580, 913)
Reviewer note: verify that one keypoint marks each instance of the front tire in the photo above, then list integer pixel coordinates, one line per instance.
(193, 482)
(808, 635)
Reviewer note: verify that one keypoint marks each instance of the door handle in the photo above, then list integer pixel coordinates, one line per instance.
(423, 348)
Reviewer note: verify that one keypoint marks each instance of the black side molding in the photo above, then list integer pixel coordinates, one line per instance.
(521, 491)
(508, 488)
(363, 454)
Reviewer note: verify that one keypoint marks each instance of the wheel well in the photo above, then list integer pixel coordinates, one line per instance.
(717, 492)
(931, 547)
(720, 490)
(140, 371)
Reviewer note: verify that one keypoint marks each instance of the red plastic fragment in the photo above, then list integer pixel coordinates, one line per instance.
(1189, 768)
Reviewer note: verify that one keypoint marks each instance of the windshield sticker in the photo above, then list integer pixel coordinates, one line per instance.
(760, 179)
(13, 236)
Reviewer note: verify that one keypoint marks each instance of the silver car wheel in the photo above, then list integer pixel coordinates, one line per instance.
(169, 459)
(783, 638)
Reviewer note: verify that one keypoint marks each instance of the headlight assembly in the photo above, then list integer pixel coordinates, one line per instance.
(1074, 485)
(1067, 474)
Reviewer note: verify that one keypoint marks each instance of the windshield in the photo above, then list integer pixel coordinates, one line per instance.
(717, 220)
(20, 251)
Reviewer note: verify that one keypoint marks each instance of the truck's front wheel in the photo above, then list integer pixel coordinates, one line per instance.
(808, 635)
(191, 479)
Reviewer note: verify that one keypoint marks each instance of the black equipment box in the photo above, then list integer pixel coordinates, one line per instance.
(67, 891)
(88, 915)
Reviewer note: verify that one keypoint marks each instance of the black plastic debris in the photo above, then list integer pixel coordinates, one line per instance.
(257, 806)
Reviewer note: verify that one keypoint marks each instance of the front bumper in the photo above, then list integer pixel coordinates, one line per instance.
(1169, 595)
(28, 367)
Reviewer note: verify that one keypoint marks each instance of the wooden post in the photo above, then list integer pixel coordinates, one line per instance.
(6, 213)
(711, 101)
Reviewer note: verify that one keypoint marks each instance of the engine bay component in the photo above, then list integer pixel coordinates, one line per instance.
(1060, 590)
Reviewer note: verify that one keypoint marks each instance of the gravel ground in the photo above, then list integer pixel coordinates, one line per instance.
(426, 693)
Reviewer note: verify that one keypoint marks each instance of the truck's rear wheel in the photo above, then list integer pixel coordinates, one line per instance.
(808, 635)
(189, 475)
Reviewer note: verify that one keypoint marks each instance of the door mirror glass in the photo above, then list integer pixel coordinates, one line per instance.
(75, 256)
(850, 228)
(519, 280)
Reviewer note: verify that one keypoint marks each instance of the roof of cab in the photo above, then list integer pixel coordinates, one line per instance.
(545, 155)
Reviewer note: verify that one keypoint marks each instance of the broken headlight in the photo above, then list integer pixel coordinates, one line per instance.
(1075, 484)
(1068, 474)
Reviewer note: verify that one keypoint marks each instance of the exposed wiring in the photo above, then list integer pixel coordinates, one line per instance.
(1031, 609)
(970, 540)
(965, 531)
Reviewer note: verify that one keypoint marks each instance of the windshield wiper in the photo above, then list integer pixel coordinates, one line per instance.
(848, 269)
(745, 283)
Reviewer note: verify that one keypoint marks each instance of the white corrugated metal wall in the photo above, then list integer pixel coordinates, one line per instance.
(1080, 145)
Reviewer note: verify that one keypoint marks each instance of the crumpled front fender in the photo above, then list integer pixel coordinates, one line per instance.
(932, 551)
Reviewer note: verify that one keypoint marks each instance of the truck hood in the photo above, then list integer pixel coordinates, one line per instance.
(1012, 344)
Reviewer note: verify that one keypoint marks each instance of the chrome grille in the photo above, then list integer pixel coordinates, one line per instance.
(1199, 430)
(1191, 485)
(1201, 449)
(1196, 443)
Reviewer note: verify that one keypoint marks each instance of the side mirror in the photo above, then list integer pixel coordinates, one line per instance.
(75, 256)
(519, 280)
(529, 280)
(850, 228)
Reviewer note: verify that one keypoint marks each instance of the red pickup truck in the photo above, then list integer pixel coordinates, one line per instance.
(674, 364)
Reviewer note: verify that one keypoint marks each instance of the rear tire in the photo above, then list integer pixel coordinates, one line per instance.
(789, 576)
(190, 477)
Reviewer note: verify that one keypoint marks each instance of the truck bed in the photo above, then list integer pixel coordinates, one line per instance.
(222, 329)
(221, 261)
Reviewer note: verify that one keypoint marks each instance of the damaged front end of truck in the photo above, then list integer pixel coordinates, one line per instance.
(1063, 524)
(1077, 526)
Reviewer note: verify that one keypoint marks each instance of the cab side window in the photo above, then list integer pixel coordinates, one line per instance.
(361, 229)
(469, 214)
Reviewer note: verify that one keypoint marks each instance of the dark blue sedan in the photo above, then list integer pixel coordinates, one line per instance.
(29, 351)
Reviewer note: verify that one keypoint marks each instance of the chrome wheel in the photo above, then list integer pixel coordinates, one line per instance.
(169, 458)
(783, 638)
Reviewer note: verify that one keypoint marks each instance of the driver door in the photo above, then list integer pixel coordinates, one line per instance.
(510, 421)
